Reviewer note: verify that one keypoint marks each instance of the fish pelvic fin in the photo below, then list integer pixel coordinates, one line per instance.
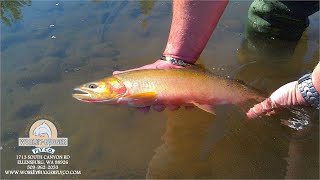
(141, 99)
(206, 107)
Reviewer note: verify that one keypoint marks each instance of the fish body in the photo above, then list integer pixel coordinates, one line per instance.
(169, 87)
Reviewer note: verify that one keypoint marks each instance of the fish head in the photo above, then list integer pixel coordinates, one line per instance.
(107, 90)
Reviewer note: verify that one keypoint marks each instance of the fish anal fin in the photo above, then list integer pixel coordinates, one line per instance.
(206, 107)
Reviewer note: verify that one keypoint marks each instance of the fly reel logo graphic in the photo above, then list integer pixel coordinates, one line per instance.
(43, 135)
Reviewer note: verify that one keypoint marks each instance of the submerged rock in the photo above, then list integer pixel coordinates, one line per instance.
(46, 72)
(6, 136)
(29, 110)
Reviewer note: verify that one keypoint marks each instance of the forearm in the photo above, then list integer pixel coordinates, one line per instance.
(192, 25)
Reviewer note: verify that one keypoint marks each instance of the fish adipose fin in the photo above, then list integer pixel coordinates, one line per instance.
(141, 99)
(206, 107)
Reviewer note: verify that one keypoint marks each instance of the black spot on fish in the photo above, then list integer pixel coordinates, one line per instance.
(29, 110)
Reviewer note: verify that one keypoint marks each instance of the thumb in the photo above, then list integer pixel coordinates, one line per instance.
(267, 106)
(135, 69)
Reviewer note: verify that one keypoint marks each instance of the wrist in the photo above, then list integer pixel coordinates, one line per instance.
(316, 81)
(308, 91)
(298, 96)
(175, 61)
(191, 59)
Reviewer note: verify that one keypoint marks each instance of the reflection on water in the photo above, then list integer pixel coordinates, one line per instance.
(95, 38)
(11, 10)
(146, 10)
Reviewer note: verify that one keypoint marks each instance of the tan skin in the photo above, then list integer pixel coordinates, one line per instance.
(286, 96)
(193, 22)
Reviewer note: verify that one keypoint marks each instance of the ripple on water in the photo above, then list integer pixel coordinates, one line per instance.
(299, 120)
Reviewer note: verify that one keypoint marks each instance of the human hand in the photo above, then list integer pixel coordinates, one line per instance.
(286, 96)
(159, 64)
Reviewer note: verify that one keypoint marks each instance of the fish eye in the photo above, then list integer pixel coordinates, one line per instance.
(92, 86)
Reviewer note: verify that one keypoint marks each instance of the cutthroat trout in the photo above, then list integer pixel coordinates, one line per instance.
(168, 87)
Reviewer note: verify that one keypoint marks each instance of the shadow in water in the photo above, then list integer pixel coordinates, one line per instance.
(200, 145)
(272, 60)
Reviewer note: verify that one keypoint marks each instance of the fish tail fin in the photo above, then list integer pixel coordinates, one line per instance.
(259, 98)
(246, 105)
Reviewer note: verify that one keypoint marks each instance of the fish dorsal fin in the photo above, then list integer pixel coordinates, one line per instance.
(206, 107)
(141, 99)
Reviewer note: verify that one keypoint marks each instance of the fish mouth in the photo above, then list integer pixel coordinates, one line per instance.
(80, 93)
(86, 96)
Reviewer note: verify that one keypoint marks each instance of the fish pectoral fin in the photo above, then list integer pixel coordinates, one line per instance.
(206, 107)
(142, 99)
(145, 95)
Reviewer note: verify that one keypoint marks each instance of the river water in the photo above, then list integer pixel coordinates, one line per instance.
(54, 46)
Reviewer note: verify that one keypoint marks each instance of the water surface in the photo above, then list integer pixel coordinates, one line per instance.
(53, 48)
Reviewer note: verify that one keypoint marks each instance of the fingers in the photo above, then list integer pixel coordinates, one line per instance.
(135, 69)
(117, 72)
(266, 107)
(188, 108)
(173, 107)
(158, 107)
(144, 109)
(161, 107)
(271, 113)
(159, 64)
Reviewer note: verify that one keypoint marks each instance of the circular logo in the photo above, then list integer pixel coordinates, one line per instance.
(42, 130)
